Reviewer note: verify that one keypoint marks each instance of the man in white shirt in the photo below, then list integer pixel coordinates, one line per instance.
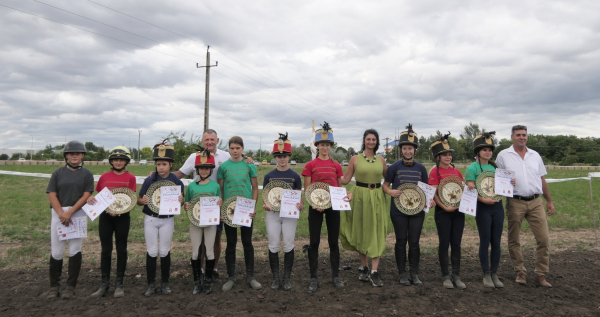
(526, 203)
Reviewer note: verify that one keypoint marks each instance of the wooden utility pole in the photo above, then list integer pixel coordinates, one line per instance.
(206, 88)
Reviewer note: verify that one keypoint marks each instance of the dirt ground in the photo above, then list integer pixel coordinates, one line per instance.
(574, 274)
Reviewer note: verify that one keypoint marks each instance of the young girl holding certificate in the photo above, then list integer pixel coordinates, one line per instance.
(449, 222)
(323, 169)
(490, 213)
(204, 187)
(109, 223)
(159, 227)
(277, 226)
(363, 229)
(68, 190)
(407, 228)
(236, 177)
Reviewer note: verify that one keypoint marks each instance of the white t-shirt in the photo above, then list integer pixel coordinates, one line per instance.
(188, 167)
(528, 171)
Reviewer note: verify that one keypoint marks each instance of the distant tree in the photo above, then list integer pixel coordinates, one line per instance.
(16, 156)
(351, 152)
(146, 153)
(3, 157)
(90, 146)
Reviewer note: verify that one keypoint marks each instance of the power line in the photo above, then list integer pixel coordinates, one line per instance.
(191, 39)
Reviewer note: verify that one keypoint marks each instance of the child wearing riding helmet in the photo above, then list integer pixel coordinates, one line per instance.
(110, 223)
(203, 187)
(407, 227)
(449, 222)
(490, 213)
(68, 190)
(236, 177)
(276, 225)
(159, 227)
(323, 169)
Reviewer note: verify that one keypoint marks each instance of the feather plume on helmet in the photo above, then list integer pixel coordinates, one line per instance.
(163, 142)
(410, 130)
(202, 150)
(325, 126)
(444, 138)
(283, 137)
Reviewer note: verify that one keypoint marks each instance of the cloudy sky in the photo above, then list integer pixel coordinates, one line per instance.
(115, 67)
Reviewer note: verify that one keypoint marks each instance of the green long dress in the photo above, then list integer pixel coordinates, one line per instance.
(363, 228)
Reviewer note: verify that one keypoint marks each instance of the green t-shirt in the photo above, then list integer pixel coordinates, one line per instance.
(209, 189)
(473, 171)
(236, 178)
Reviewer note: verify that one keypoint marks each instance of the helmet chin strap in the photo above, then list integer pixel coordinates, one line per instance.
(115, 169)
(405, 161)
(201, 179)
(72, 166)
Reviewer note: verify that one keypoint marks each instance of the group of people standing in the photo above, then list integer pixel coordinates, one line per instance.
(362, 229)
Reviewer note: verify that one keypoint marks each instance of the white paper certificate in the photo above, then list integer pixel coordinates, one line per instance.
(79, 225)
(502, 185)
(169, 200)
(289, 199)
(429, 193)
(337, 198)
(243, 208)
(468, 202)
(61, 229)
(210, 212)
(104, 199)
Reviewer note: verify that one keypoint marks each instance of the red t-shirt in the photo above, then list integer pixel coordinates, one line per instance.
(112, 180)
(434, 179)
(326, 171)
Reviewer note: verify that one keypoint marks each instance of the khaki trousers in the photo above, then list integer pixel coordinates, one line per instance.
(533, 211)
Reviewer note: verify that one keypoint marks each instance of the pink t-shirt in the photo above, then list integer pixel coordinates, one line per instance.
(326, 171)
(434, 179)
(112, 180)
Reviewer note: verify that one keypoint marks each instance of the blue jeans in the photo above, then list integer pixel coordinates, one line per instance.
(490, 222)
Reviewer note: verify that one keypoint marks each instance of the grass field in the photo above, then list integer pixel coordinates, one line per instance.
(25, 211)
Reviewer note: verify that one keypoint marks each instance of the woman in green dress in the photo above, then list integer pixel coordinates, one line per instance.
(363, 229)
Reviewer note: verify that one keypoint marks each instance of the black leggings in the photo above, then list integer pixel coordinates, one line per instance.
(490, 222)
(120, 226)
(315, 223)
(450, 227)
(407, 229)
(246, 234)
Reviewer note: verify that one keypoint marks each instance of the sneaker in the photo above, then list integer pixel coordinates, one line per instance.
(375, 280)
(364, 274)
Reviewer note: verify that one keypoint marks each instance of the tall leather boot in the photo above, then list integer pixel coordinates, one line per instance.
(74, 269)
(207, 283)
(455, 259)
(414, 256)
(274, 262)
(165, 272)
(105, 271)
(196, 273)
(249, 260)
(121, 266)
(151, 275)
(55, 273)
(288, 264)
(313, 263)
(334, 259)
(443, 258)
(400, 254)
(230, 263)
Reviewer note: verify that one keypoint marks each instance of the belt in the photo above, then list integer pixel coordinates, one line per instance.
(526, 198)
(159, 216)
(368, 185)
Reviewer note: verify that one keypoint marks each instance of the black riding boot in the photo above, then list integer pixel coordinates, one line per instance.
(196, 274)
(74, 270)
(55, 273)
(288, 264)
(313, 262)
(400, 254)
(413, 259)
(207, 283)
(165, 271)
(443, 258)
(105, 271)
(121, 266)
(151, 275)
(274, 262)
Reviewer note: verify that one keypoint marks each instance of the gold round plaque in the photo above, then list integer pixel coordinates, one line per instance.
(412, 200)
(486, 185)
(227, 210)
(450, 191)
(125, 200)
(194, 211)
(317, 195)
(272, 193)
(154, 194)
